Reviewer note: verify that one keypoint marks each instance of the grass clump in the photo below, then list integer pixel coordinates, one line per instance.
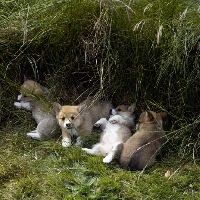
(125, 51)
(48, 171)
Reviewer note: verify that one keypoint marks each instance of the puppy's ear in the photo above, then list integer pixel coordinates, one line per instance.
(57, 107)
(163, 114)
(149, 116)
(131, 108)
(81, 108)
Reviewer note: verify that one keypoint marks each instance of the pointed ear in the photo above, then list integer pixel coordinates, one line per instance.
(57, 107)
(163, 114)
(149, 116)
(81, 108)
(131, 108)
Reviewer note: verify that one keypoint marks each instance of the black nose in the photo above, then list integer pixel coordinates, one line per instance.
(68, 125)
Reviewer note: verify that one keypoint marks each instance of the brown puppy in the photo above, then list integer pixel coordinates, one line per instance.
(140, 150)
(79, 120)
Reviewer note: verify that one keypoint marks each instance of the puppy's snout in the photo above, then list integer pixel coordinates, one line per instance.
(68, 125)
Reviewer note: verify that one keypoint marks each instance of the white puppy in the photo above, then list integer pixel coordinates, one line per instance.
(111, 135)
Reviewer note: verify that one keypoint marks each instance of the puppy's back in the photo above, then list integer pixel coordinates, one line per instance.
(141, 149)
(97, 110)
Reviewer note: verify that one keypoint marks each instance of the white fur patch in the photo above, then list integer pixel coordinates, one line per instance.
(114, 112)
(23, 104)
(67, 122)
(108, 158)
(66, 142)
(111, 154)
(102, 122)
(115, 119)
(19, 97)
(90, 151)
(34, 135)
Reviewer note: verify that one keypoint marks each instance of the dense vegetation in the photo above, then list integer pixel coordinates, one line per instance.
(126, 51)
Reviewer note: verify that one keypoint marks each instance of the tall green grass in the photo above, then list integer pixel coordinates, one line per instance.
(127, 51)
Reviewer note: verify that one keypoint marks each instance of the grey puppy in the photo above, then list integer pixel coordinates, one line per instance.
(32, 98)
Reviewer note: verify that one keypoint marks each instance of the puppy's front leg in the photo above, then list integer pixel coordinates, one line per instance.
(115, 119)
(66, 139)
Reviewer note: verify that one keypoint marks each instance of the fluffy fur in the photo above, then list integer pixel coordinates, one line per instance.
(140, 150)
(123, 115)
(31, 94)
(116, 130)
(112, 134)
(79, 120)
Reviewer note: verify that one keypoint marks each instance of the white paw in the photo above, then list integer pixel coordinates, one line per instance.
(107, 159)
(34, 135)
(18, 104)
(113, 119)
(23, 104)
(90, 151)
(97, 124)
(84, 149)
(66, 142)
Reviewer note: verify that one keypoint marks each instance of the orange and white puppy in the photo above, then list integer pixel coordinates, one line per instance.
(124, 115)
(78, 120)
(111, 134)
(140, 150)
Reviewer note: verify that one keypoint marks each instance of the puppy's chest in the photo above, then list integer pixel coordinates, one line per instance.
(110, 135)
(73, 132)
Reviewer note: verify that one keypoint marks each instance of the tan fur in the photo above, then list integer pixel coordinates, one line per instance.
(124, 115)
(79, 120)
(140, 150)
(35, 96)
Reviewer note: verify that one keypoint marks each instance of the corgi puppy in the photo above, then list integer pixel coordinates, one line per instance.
(78, 120)
(32, 98)
(124, 115)
(140, 150)
(112, 134)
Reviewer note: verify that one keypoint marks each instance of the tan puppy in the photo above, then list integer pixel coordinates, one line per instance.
(140, 150)
(124, 115)
(33, 97)
(79, 120)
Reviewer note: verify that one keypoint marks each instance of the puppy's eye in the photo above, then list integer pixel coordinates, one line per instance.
(118, 109)
(63, 118)
(72, 118)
